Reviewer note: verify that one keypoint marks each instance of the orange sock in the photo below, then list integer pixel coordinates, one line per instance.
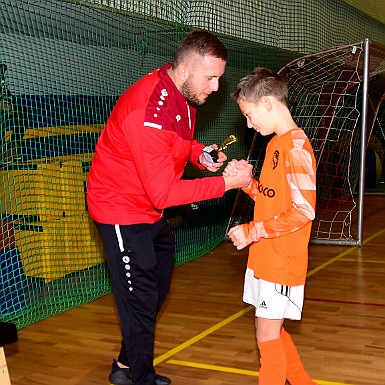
(296, 373)
(273, 363)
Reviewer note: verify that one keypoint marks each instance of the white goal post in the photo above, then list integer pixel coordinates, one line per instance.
(335, 96)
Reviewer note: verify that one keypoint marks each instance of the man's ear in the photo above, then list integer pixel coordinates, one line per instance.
(183, 72)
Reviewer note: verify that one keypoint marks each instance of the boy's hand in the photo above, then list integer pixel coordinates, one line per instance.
(237, 236)
(237, 177)
(235, 165)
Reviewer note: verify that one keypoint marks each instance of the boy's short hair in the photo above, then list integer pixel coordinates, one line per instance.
(202, 42)
(261, 82)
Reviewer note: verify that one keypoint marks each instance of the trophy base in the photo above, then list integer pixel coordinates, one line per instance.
(210, 154)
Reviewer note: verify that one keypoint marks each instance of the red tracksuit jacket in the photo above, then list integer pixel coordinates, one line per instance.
(141, 155)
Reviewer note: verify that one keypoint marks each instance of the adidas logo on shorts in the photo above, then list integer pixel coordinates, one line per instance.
(263, 305)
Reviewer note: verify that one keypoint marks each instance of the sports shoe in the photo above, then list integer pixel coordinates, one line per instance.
(122, 376)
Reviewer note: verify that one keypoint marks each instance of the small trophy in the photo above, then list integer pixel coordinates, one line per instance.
(211, 155)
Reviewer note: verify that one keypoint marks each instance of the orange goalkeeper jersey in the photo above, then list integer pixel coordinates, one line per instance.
(284, 208)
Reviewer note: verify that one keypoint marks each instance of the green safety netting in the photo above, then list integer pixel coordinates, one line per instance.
(63, 64)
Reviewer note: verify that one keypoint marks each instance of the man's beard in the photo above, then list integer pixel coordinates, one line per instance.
(189, 93)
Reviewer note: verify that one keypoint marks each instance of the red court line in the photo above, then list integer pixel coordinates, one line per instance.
(345, 302)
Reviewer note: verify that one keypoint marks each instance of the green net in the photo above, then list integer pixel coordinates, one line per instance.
(63, 64)
(326, 93)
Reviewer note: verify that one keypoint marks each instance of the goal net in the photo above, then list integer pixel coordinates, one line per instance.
(63, 65)
(336, 97)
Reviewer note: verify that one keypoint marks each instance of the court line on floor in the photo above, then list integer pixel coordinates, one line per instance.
(341, 255)
(363, 260)
(345, 302)
(236, 371)
(198, 337)
(219, 325)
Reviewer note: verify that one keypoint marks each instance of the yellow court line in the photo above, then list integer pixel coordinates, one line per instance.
(237, 371)
(373, 236)
(198, 337)
(219, 325)
(214, 367)
(341, 255)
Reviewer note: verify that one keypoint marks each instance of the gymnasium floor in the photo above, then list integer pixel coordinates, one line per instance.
(205, 333)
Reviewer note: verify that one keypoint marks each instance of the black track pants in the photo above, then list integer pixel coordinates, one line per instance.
(139, 259)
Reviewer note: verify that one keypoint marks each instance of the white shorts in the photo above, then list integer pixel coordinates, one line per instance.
(272, 300)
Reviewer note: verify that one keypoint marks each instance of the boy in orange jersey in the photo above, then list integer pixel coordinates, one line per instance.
(278, 236)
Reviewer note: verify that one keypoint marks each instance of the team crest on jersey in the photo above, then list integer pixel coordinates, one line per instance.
(275, 159)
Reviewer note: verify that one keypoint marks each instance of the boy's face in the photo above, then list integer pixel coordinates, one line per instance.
(258, 115)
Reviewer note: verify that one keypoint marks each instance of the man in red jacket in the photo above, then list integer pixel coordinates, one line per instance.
(136, 173)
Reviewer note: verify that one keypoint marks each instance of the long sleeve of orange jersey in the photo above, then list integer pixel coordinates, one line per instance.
(252, 189)
(302, 182)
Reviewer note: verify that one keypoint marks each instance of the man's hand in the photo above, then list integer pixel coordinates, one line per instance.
(237, 236)
(233, 167)
(213, 167)
(237, 174)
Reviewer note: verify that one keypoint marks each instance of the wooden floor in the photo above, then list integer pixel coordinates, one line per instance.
(205, 334)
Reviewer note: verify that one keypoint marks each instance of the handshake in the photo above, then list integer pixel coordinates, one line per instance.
(237, 174)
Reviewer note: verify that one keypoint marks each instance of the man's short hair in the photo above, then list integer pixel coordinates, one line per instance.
(202, 42)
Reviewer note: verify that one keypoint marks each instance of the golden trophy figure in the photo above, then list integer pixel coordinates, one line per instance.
(211, 155)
